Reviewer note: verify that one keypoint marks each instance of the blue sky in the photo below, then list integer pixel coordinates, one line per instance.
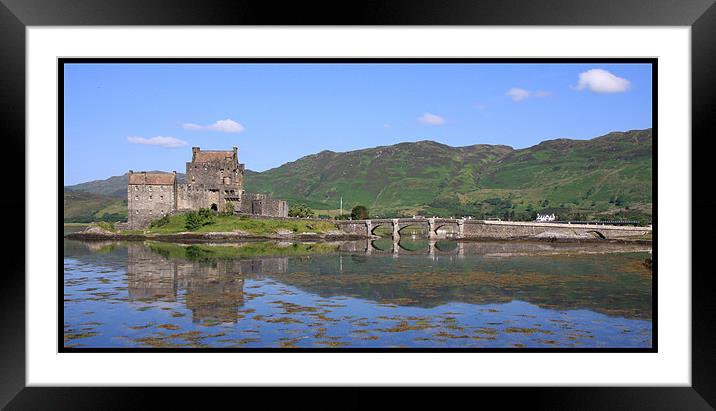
(148, 116)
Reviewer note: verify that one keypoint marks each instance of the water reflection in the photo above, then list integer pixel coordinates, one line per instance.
(366, 293)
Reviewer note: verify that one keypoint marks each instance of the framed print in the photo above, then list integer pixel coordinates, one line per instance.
(503, 202)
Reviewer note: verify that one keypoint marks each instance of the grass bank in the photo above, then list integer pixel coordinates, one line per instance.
(221, 223)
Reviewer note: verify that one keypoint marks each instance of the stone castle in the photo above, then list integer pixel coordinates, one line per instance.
(213, 180)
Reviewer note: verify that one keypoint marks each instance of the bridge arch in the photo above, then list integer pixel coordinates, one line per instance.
(453, 224)
(415, 224)
(377, 225)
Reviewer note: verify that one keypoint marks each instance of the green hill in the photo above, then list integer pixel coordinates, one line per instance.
(574, 178)
(115, 186)
(608, 176)
(83, 207)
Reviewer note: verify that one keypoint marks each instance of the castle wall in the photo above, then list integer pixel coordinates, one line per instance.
(270, 207)
(149, 202)
(192, 197)
(260, 204)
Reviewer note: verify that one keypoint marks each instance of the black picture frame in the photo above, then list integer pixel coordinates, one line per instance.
(700, 15)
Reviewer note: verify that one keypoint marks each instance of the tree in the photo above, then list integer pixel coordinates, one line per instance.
(300, 210)
(359, 212)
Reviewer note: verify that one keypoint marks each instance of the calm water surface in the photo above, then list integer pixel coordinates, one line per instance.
(358, 294)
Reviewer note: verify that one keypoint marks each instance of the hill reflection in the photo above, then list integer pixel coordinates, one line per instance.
(211, 278)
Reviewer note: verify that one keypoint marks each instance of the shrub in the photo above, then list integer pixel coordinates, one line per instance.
(197, 219)
(300, 210)
(160, 222)
(206, 213)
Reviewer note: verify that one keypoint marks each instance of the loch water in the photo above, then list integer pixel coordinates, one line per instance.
(362, 294)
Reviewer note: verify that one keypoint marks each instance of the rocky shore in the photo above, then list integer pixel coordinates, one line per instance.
(94, 233)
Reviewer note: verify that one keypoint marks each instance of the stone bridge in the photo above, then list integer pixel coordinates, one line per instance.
(368, 227)
(485, 229)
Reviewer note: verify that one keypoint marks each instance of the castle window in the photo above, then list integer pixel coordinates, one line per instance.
(136, 197)
(150, 197)
(150, 188)
(136, 212)
(136, 188)
(161, 197)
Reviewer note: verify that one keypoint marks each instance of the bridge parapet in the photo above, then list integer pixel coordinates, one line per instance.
(497, 229)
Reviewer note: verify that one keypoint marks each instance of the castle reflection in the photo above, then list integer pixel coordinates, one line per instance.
(212, 290)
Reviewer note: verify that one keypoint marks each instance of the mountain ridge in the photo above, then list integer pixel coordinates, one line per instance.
(605, 174)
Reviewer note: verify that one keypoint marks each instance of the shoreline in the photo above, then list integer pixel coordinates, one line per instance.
(221, 237)
(214, 237)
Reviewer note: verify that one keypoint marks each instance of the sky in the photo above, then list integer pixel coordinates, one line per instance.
(119, 117)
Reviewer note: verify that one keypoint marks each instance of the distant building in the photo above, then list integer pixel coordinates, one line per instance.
(213, 179)
(545, 217)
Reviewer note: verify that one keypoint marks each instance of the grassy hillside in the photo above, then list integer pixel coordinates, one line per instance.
(605, 177)
(608, 175)
(574, 178)
(82, 207)
(386, 179)
(115, 186)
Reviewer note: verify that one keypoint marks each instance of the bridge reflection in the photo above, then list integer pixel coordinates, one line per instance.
(429, 247)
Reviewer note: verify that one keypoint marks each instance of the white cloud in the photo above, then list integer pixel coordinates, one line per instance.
(518, 94)
(602, 81)
(223, 126)
(168, 142)
(431, 119)
(191, 126)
